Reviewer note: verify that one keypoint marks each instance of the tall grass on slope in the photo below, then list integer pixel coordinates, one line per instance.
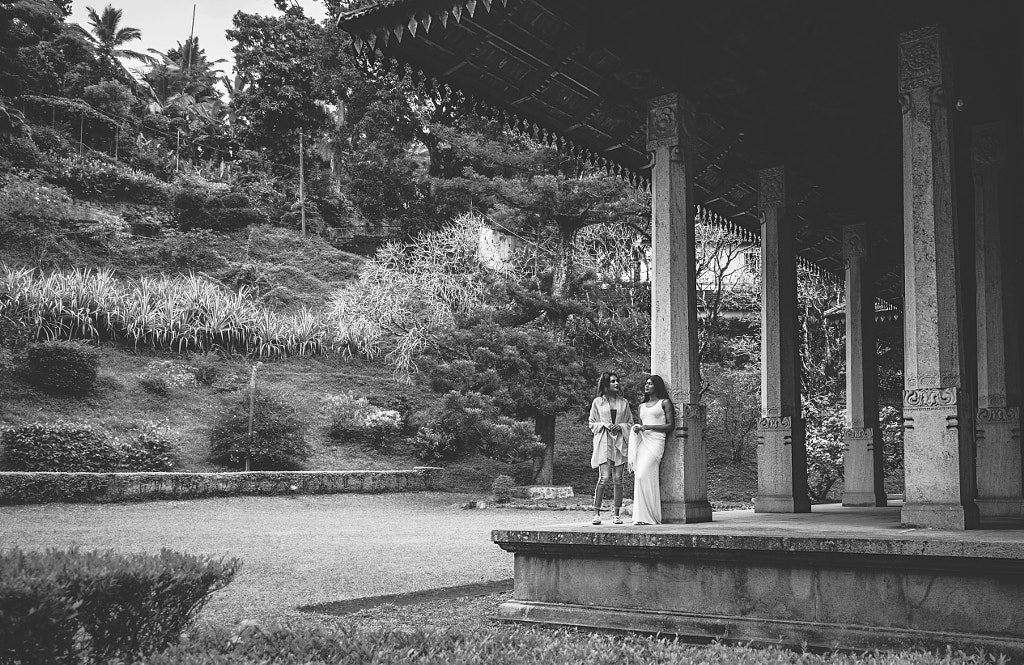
(182, 313)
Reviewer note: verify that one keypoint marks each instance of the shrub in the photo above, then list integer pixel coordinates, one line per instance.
(57, 447)
(279, 435)
(383, 423)
(21, 152)
(501, 488)
(63, 367)
(196, 210)
(97, 180)
(150, 450)
(433, 445)
(474, 423)
(49, 140)
(66, 607)
(31, 212)
(346, 414)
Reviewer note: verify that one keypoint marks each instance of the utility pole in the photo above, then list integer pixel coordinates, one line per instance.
(191, 42)
(252, 416)
(177, 151)
(302, 194)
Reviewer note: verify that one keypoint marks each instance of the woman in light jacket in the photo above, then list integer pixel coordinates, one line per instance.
(610, 421)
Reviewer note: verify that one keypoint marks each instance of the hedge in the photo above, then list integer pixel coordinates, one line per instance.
(68, 606)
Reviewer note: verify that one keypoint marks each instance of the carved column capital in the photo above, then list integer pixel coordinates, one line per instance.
(922, 58)
(988, 147)
(772, 188)
(855, 241)
(670, 122)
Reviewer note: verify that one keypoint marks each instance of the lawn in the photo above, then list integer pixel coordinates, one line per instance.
(296, 551)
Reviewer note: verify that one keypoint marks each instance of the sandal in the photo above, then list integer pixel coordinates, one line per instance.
(597, 519)
(616, 520)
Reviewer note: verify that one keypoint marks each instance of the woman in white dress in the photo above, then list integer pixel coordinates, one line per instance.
(646, 446)
(610, 422)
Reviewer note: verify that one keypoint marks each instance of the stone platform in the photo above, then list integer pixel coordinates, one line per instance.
(836, 577)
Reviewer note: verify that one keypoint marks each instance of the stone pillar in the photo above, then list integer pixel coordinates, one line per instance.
(670, 140)
(863, 473)
(781, 450)
(937, 409)
(997, 430)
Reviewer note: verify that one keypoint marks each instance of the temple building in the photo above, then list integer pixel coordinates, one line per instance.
(879, 141)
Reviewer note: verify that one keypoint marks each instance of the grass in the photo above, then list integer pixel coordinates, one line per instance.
(309, 550)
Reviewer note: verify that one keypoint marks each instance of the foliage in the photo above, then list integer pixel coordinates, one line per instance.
(825, 423)
(502, 486)
(21, 152)
(57, 447)
(162, 376)
(406, 296)
(471, 422)
(70, 606)
(278, 439)
(349, 415)
(281, 645)
(185, 313)
(891, 422)
(73, 447)
(229, 212)
(734, 406)
(63, 367)
(434, 445)
(97, 180)
(111, 97)
(32, 215)
(110, 37)
(274, 56)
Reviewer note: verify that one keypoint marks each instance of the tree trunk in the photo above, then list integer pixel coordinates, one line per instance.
(565, 268)
(544, 467)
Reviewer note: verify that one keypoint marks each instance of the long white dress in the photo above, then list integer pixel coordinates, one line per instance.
(645, 451)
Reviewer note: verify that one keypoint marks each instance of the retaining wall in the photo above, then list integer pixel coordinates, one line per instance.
(52, 487)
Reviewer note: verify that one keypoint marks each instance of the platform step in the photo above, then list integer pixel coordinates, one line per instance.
(542, 492)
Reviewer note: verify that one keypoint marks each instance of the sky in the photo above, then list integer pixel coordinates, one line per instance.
(164, 24)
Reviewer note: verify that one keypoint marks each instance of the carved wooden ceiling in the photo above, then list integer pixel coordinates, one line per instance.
(809, 84)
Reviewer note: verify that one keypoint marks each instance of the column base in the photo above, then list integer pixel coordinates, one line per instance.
(781, 504)
(954, 517)
(864, 499)
(1000, 506)
(688, 512)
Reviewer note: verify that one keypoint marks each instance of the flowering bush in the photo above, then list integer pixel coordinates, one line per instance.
(356, 416)
(381, 424)
(433, 445)
(278, 441)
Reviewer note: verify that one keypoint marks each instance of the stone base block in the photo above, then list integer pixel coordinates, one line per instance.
(857, 582)
(542, 492)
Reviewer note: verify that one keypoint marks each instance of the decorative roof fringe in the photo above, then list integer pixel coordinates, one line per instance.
(486, 4)
(399, 30)
(443, 15)
(457, 13)
(413, 24)
(470, 7)
(371, 41)
(426, 21)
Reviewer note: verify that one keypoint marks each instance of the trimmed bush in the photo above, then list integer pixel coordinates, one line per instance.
(97, 180)
(346, 413)
(82, 448)
(63, 367)
(501, 488)
(279, 435)
(56, 447)
(66, 607)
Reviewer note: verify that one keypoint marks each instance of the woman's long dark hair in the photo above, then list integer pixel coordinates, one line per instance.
(604, 382)
(660, 391)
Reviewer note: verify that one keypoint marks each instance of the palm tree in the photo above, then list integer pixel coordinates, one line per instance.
(109, 38)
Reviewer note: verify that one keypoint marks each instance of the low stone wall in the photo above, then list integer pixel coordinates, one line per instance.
(51, 487)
